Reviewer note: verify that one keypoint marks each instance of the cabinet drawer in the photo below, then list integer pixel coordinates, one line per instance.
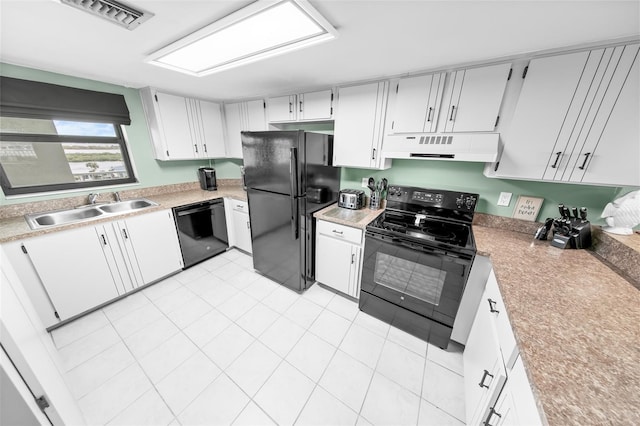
(494, 303)
(240, 206)
(347, 233)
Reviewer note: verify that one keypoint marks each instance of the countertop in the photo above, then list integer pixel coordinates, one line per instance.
(354, 218)
(576, 321)
(14, 228)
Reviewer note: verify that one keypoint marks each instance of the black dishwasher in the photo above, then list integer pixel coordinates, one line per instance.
(202, 230)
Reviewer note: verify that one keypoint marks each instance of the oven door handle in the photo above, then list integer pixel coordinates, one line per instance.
(191, 211)
(423, 248)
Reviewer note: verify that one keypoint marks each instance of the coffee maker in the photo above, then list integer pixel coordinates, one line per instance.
(207, 177)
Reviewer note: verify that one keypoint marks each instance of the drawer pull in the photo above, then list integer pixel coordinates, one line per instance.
(484, 376)
(492, 412)
(492, 306)
(353, 258)
(337, 232)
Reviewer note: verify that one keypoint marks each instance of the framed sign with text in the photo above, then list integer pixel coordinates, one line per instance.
(527, 208)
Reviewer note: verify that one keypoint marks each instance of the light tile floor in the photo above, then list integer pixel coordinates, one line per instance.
(220, 344)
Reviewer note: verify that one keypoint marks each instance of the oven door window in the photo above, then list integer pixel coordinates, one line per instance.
(410, 278)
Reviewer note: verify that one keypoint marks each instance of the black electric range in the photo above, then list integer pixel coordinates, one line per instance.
(418, 255)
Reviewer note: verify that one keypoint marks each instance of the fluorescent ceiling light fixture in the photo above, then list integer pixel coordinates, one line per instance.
(261, 30)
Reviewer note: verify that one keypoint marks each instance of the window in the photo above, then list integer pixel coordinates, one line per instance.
(39, 155)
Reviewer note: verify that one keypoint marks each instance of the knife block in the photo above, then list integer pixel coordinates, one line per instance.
(578, 237)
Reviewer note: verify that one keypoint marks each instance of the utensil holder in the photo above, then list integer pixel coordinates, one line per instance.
(374, 200)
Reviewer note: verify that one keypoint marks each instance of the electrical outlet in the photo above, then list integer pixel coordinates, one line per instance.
(365, 182)
(505, 198)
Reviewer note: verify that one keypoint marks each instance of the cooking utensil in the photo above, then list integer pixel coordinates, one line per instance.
(574, 212)
(561, 209)
(371, 184)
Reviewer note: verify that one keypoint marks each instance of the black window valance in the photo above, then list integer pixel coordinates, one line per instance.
(32, 99)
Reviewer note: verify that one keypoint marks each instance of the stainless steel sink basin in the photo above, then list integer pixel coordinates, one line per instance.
(127, 206)
(62, 217)
(86, 213)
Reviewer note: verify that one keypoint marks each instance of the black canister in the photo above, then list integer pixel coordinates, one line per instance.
(207, 177)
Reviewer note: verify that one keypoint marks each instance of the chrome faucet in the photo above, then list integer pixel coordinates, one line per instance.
(92, 198)
(116, 195)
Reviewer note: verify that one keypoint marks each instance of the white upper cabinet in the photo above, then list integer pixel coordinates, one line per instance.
(577, 120)
(472, 103)
(242, 116)
(183, 128)
(417, 103)
(359, 126)
(310, 106)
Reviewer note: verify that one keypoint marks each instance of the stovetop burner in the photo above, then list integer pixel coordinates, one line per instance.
(404, 224)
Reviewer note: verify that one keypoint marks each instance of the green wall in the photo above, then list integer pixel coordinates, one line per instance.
(468, 177)
(424, 173)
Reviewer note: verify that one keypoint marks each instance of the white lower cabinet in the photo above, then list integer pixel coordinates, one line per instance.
(338, 257)
(83, 268)
(241, 225)
(152, 244)
(497, 391)
(74, 269)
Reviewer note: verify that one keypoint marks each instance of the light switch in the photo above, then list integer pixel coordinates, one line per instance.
(505, 198)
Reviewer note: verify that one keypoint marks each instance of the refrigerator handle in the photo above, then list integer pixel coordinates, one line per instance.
(293, 180)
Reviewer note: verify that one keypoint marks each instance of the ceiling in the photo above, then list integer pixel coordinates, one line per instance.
(377, 38)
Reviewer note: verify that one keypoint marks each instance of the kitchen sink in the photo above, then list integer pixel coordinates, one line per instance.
(127, 206)
(85, 213)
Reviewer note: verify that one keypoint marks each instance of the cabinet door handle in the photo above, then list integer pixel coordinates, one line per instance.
(248, 225)
(586, 157)
(205, 147)
(353, 258)
(124, 233)
(196, 147)
(104, 240)
(492, 412)
(492, 304)
(337, 232)
(429, 114)
(555, 164)
(484, 376)
(453, 107)
(373, 154)
(290, 108)
(300, 106)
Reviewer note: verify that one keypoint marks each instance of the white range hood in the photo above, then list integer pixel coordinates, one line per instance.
(480, 147)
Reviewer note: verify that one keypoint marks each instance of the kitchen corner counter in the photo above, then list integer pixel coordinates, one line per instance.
(577, 323)
(354, 218)
(15, 227)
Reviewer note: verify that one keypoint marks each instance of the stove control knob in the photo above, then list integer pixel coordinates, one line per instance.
(459, 202)
(470, 202)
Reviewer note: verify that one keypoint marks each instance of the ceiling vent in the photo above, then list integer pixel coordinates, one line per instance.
(112, 11)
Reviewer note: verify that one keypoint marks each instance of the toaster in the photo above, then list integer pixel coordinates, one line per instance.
(351, 199)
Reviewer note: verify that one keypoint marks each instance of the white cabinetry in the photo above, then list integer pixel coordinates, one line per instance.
(241, 225)
(183, 128)
(338, 257)
(417, 104)
(472, 103)
(493, 372)
(359, 126)
(86, 267)
(73, 268)
(242, 116)
(576, 120)
(153, 242)
(310, 106)
(466, 100)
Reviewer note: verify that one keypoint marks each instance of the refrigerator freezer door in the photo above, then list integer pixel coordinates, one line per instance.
(279, 250)
(267, 161)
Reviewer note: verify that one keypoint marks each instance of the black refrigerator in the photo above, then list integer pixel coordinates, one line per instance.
(281, 168)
